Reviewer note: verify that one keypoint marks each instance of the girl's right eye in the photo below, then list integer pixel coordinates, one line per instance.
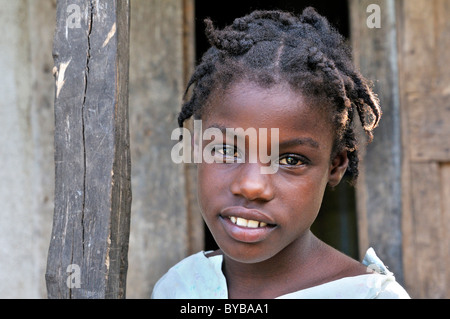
(292, 160)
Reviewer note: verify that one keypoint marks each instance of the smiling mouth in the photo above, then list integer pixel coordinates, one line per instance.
(247, 218)
(249, 223)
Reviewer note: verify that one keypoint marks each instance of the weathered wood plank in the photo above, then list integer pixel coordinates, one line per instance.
(195, 220)
(92, 157)
(408, 164)
(429, 125)
(425, 46)
(445, 199)
(162, 223)
(26, 140)
(428, 232)
(379, 191)
(425, 77)
(424, 51)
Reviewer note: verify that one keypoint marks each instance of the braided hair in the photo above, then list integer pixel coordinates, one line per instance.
(305, 51)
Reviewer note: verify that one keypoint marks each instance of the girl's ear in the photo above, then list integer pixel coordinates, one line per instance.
(338, 167)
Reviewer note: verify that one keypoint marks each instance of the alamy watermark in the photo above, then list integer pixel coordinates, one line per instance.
(73, 16)
(227, 145)
(374, 19)
(74, 278)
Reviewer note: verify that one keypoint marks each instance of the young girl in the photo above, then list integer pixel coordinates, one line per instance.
(271, 69)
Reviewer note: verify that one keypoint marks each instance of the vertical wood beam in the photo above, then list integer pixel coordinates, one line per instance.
(92, 152)
(423, 50)
(195, 230)
(165, 227)
(379, 191)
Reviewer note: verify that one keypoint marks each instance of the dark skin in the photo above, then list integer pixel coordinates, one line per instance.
(281, 255)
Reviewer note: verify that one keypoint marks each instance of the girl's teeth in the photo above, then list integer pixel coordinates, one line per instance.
(252, 224)
(242, 222)
(246, 222)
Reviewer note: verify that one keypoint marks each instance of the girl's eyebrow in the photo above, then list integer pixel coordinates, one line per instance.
(222, 128)
(285, 144)
(300, 141)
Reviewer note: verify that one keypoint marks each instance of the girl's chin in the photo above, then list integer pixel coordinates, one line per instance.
(248, 254)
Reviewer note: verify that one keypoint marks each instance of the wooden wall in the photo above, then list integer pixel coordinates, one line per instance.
(26, 145)
(424, 41)
(404, 193)
(164, 224)
(165, 227)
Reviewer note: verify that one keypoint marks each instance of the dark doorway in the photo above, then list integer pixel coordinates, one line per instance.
(336, 224)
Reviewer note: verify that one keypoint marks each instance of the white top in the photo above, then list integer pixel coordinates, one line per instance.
(200, 277)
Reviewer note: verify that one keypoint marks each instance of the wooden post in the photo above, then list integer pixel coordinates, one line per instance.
(379, 191)
(89, 244)
(425, 100)
(404, 206)
(166, 225)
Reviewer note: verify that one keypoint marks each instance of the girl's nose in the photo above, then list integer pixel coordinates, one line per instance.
(251, 184)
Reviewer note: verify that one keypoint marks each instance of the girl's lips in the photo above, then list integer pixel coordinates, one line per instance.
(246, 225)
(247, 214)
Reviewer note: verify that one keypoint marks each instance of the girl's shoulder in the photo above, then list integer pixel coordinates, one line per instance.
(200, 276)
(344, 277)
(196, 276)
(370, 286)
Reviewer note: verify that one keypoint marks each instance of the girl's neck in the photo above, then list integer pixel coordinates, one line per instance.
(276, 276)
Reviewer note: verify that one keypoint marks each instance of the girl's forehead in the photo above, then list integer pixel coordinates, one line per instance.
(279, 103)
(247, 105)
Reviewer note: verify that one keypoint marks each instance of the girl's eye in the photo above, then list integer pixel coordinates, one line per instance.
(226, 154)
(291, 160)
(226, 150)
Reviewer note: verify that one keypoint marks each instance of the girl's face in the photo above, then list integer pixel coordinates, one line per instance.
(254, 216)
